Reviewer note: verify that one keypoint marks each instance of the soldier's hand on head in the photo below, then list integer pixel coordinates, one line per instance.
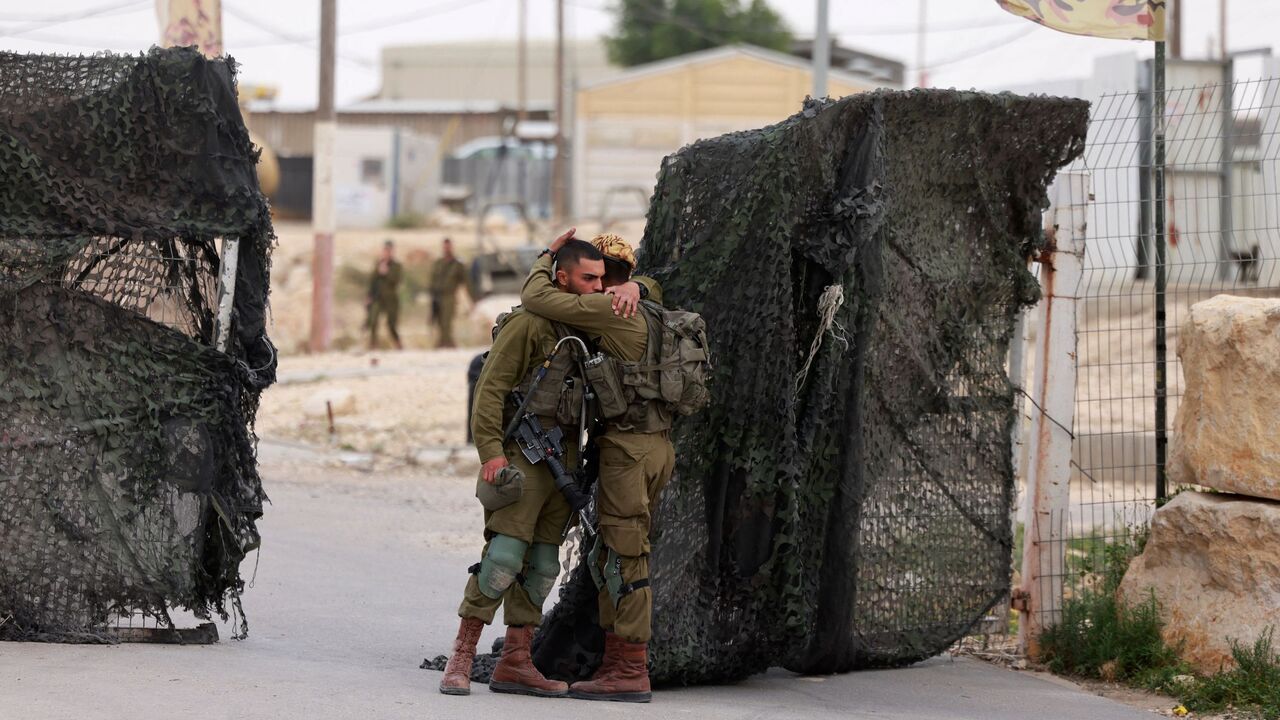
(491, 467)
(560, 241)
(626, 297)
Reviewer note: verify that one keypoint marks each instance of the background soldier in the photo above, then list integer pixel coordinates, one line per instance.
(636, 462)
(521, 559)
(384, 295)
(447, 275)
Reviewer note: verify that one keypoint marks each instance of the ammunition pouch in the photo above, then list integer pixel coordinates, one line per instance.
(606, 380)
(608, 575)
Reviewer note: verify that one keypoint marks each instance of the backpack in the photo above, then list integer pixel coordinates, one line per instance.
(677, 363)
(670, 379)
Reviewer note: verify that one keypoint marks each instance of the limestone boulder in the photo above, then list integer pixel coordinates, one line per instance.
(1213, 562)
(1226, 428)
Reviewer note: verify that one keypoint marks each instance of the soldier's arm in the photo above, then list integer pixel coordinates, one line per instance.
(653, 287)
(464, 279)
(503, 370)
(590, 313)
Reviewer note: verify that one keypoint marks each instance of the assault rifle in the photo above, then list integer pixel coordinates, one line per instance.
(538, 444)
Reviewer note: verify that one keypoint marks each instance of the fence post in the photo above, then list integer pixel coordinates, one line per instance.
(1053, 393)
(226, 293)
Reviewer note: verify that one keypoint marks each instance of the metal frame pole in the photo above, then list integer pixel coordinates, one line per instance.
(1162, 391)
(1048, 497)
(821, 52)
(922, 75)
(1226, 210)
(226, 293)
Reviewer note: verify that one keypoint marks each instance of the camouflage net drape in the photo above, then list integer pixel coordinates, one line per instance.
(128, 478)
(861, 519)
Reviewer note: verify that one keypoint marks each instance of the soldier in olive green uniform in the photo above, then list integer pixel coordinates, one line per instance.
(520, 560)
(636, 462)
(384, 295)
(447, 275)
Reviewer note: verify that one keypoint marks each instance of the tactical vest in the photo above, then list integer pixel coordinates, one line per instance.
(558, 397)
(671, 378)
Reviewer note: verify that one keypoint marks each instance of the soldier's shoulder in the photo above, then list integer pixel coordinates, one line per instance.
(518, 317)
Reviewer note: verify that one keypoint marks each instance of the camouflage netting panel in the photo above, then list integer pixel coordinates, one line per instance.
(128, 479)
(860, 518)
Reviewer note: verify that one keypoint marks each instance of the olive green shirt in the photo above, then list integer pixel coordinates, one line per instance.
(522, 344)
(447, 275)
(623, 338)
(385, 289)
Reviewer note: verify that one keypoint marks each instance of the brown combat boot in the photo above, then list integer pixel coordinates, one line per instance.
(623, 675)
(515, 672)
(457, 674)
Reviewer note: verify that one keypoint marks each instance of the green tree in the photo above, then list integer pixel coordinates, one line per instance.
(648, 30)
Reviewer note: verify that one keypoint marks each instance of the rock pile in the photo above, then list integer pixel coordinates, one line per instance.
(1213, 558)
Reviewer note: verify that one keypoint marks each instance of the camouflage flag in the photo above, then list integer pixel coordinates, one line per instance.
(1118, 19)
(191, 22)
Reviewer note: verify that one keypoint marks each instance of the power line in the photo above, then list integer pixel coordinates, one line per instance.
(402, 19)
(292, 38)
(64, 18)
(932, 28)
(982, 49)
(860, 31)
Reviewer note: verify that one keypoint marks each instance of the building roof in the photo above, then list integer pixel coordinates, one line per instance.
(859, 62)
(386, 106)
(721, 53)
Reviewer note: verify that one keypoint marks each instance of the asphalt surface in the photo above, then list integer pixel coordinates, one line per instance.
(358, 581)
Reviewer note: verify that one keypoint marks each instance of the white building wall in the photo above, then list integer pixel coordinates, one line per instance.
(367, 171)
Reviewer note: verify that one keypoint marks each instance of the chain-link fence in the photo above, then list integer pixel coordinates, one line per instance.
(1154, 247)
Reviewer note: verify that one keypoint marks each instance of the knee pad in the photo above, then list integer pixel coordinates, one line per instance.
(544, 568)
(608, 575)
(500, 565)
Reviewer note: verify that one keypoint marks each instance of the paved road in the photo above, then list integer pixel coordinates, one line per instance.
(358, 581)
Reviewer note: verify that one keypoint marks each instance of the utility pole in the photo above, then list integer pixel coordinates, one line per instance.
(1175, 29)
(922, 75)
(522, 60)
(821, 52)
(558, 190)
(1222, 29)
(322, 211)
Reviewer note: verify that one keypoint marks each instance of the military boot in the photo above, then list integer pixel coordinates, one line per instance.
(515, 672)
(623, 675)
(457, 673)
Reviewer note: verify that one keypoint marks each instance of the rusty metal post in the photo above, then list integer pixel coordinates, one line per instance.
(1053, 394)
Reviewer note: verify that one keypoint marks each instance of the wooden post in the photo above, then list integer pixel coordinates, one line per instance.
(1048, 493)
(322, 210)
(559, 191)
(522, 60)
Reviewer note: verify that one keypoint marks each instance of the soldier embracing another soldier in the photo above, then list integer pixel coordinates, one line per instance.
(591, 352)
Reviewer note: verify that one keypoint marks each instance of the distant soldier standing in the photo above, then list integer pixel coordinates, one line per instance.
(384, 295)
(447, 275)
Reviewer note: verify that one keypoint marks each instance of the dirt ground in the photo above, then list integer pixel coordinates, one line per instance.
(402, 404)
